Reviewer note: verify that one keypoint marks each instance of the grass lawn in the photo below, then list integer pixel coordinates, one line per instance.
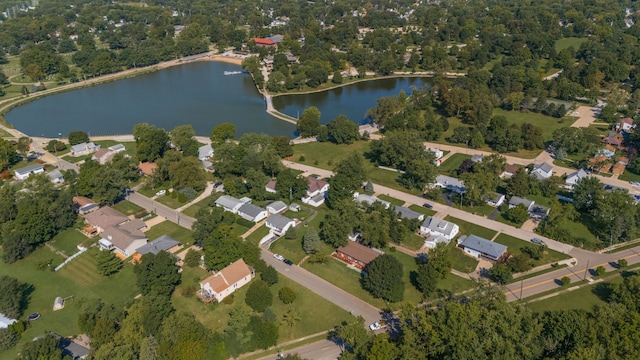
(149, 192)
(451, 165)
(257, 235)
(629, 176)
(409, 265)
(76, 159)
(566, 43)
(578, 230)
(500, 218)
(204, 203)
(68, 240)
(177, 232)
(79, 279)
(514, 244)
(316, 313)
(455, 284)
(581, 299)
(467, 228)
(413, 241)
(460, 261)
(422, 210)
(392, 200)
(169, 201)
(127, 207)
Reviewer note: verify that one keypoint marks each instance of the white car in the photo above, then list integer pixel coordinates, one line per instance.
(161, 192)
(375, 326)
(634, 183)
(279, 257)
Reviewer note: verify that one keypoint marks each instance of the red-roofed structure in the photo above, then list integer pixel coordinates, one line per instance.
(264, 42)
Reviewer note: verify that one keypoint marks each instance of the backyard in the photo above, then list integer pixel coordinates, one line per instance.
(67, 241)
(451, 165)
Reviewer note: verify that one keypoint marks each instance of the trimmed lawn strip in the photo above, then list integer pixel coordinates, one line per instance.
(127, 207)
(422, 210)
(76, 159)
(467, 228)
(622, 248)
(515, 245)
(257, 235)
(392, 200)
(316, 313)
(528, 276)
(204, 203)
(460, 261)
(306, 341)
(628, 176)
(455, 284)
(177, 232)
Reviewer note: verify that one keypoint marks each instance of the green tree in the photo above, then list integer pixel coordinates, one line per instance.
(517, 214)
(259, 296)
(223, 132)
(13, 296)
(337, 78)
(341, 130)
(108, 263)
(600, 270)
(311, 241)
(192, 259)
(500, 273)
(157, 273)
(286, 295)
(8, 339)
(291, 234)
(42, 348)
(23, 145)
(77, 137)
(439, 260)
(622, 263)
(282, 146)
(426, 279)
(182, 137)
(587, 193)
(334, 230)
(291, 317)
(290, 186)
(309, 122)
(188, 173)
(383, 278)
(151, 143)
(518, 184)
(55, 146)
(269, 275)
(8, 154)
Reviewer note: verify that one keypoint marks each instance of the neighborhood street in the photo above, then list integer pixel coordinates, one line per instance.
(162, 210)
(319, 350)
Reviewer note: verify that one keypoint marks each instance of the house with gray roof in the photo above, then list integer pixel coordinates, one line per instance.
(117, 148)
(279, 224)
(6, 321)
(482, 248)
(276, 207)
(56, 176)
(496, 200)
(84, 149)
(432, 241)
(205, 152)
(369, 199)
(573, 178)
(542, 171)
(450, 183)
(439, 227)
(26, 171)
(163, 243)
(229, 203)
(252, 213)
(516, 200)
(406, 213)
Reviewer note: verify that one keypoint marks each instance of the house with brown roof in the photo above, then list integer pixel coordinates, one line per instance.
(600, 163)
(146, 168)
(509, 171)
(226, 281)
(618, 169)
(118, 232)
(270, 187)
(84, 205)
(625, 124)
(615, 139)
(268, 43)
(103, 156)
(316, 191)
(356, 255)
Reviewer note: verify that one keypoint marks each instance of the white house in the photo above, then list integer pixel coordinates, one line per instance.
(205, 152)
(229, 203)
(24, 172)
(117, 148)
(226, 281)
(6, 321)
(625, 124)
(276, 207)
(574, 178)
(479, 247)
(438, 154)
(496, 200)
(369, 199)
(316, 191)
(449, 183)
(432, 241)
(279, 224)
(84, 149)
(542, 171)
(56, 176)
(476, 158)
(516, 200)
(439, 227)
(251, 212)
(270, 187)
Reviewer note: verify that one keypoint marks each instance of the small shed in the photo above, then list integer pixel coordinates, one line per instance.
(58, 303)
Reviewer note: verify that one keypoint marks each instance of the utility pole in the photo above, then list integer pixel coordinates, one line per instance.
(585, 271)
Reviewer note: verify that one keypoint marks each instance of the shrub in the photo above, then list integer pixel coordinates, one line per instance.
(565, 281)
(245, 223)
(286, 295)
(623, 263)
(270, 275)
(189, 193)
(173, 194)
(258, 296)
(181, 198)
(600, 270)
(140, 214)
(301, 158)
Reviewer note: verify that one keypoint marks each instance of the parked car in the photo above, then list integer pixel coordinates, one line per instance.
(161, 192)
(634, 183)
(279, 257)
(288, 262)
(375, 326)
(34, 316)
(427, 205)
(538, 241)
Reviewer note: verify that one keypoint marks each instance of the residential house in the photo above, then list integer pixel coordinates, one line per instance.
(406, 213)
(6, 321)
(539, 212)
(72, 349)
(433, 240)
(496, 200)
(205, 152)
(24, 172)
(84, 205)
(118, 232)
(279, 224)
(516, 200)
(117, 148)
(294, 207)
(450, 183)
(226, 281)
(509, 171)
(575, 177)
(609, 151)
(147, 168)
(251, 212)
(356, 255)
(437, 153)
(542, 171)
(262, 42)
(229, 203)
(600, 163)
(439, 227)
(56, 176)
(276, 207)
(615, 139)
(618, 169)
(623, 160)
(625, 124)
(369, 200)
(163, 243)
(477, 158)
(316, 191)
(103, 156)
(270, 187)
(482, 248)
(84, 149)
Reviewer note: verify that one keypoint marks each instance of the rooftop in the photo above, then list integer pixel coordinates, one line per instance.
(278, 221)
(228, 276)
(482, 245)
(438, 225)
(163, 243)
(358, 252)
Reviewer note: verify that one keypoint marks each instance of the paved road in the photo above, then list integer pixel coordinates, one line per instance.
(325, 289)
(162, 210)
(320, 350)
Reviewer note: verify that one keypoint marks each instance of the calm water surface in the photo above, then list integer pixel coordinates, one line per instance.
(197, 94)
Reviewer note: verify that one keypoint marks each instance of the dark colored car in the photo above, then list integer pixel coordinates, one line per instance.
(34, 316)
(427, 205)
(288, 262)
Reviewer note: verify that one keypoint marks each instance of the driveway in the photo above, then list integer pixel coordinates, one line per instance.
(162, 210)
(586, 116)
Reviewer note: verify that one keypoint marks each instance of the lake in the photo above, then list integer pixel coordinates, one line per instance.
(198, 94)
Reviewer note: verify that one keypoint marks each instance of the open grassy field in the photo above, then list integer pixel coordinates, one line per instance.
(68, 240)
(76, 281)
(515, 245)
(177, 232)
(451, 165)
(316, 313)
(127, 207)
(467, 228)
(566, 43)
